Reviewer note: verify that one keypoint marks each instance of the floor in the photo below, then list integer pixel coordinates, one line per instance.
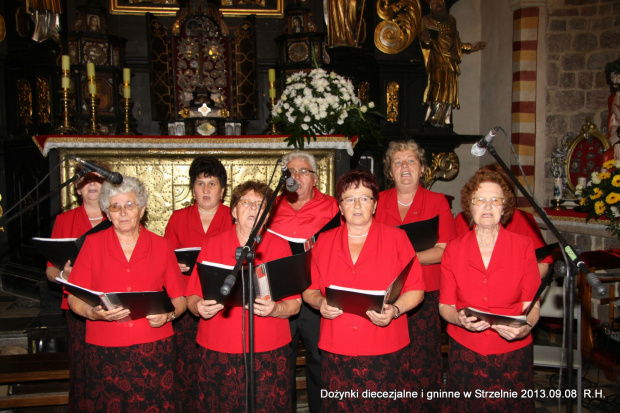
(17, 313)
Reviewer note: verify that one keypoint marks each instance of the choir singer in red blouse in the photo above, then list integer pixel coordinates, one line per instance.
(129, 363)
(408, 202)
(360, 353)
(222, 374)
(187, 228)
(493, 270)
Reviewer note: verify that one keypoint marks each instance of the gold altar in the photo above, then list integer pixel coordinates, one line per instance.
(163, 163)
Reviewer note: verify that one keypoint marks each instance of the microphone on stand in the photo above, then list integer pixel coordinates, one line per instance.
(480, 148)
(114, 177)
(291, 184)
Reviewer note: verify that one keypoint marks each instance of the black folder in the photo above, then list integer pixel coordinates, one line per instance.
(355, 301)
(423, 235)
(276, 279)
(139, 303)
(284, 277)
(188, 257)
(58, 250)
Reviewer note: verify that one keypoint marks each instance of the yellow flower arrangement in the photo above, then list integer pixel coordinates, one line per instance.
(601, 197)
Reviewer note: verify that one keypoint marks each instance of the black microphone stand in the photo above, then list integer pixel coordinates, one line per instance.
(247, 252)
(575, 263)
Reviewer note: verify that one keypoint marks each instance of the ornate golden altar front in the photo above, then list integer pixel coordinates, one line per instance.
(162, 163)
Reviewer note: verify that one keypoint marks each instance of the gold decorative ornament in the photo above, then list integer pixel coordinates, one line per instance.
(444, 167)
(43, 98)
(363, 91)
(392, 101)
(24, 102)
(400, 25)
(66, 127)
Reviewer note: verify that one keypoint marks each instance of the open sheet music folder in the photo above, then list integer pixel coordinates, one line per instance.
(356, 301)
(139, 303)
(275, 279)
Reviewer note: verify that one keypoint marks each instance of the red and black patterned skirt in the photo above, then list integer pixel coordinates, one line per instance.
(185, 331)
(508, 372)
(132, 379)
(76, 333)
(426, 358)
(221, 381)
(361, 375)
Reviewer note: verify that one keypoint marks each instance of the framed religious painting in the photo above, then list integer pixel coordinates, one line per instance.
(229, 8)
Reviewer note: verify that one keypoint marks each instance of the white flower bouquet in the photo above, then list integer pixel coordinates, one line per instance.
(321, 103)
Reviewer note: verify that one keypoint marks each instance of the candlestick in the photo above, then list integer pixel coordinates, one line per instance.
(66, 127)
(128, 121)
(92, 107)
(272, 128)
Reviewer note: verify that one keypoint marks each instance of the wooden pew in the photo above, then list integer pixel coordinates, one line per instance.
(34, 368)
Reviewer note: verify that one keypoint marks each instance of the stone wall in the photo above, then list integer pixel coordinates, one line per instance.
(581, 37)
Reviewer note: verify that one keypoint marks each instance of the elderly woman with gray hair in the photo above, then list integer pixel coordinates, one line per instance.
(129, 364)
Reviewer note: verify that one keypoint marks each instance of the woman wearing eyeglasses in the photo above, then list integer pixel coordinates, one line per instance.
(187, 228)
(302, 214)
(73, 224)
(407, 202)
(363, 353)
(521, 222)
(493, 270)
(222, 374)
(129, 364)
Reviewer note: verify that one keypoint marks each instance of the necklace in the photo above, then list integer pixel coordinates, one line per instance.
(486, 245)
(205, 212)
(400, 203)
(129, 245)
(95, 219)
(357, 236)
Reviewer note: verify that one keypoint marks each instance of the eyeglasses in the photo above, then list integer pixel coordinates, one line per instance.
(248, 203)
(129, 206)
(351, 200)
(302, 171)
(483, 201)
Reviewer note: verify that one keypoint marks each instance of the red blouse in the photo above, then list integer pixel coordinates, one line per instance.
(385, 253)
(184, 229)
(521, 223)
(511, 278)
(71, 224)
(102, 266)
(308, 220)
(223, 332)
(426, 205)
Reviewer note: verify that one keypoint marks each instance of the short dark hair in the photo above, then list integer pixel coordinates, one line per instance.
(258, 187)
(355, 178)
(207, 166)
(486, 175)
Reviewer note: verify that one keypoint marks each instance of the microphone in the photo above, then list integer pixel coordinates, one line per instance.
(291, 183)
(114, 177)
(229, 281)
(480, 148)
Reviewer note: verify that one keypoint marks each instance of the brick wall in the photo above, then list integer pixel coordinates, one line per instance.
(581, 37)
